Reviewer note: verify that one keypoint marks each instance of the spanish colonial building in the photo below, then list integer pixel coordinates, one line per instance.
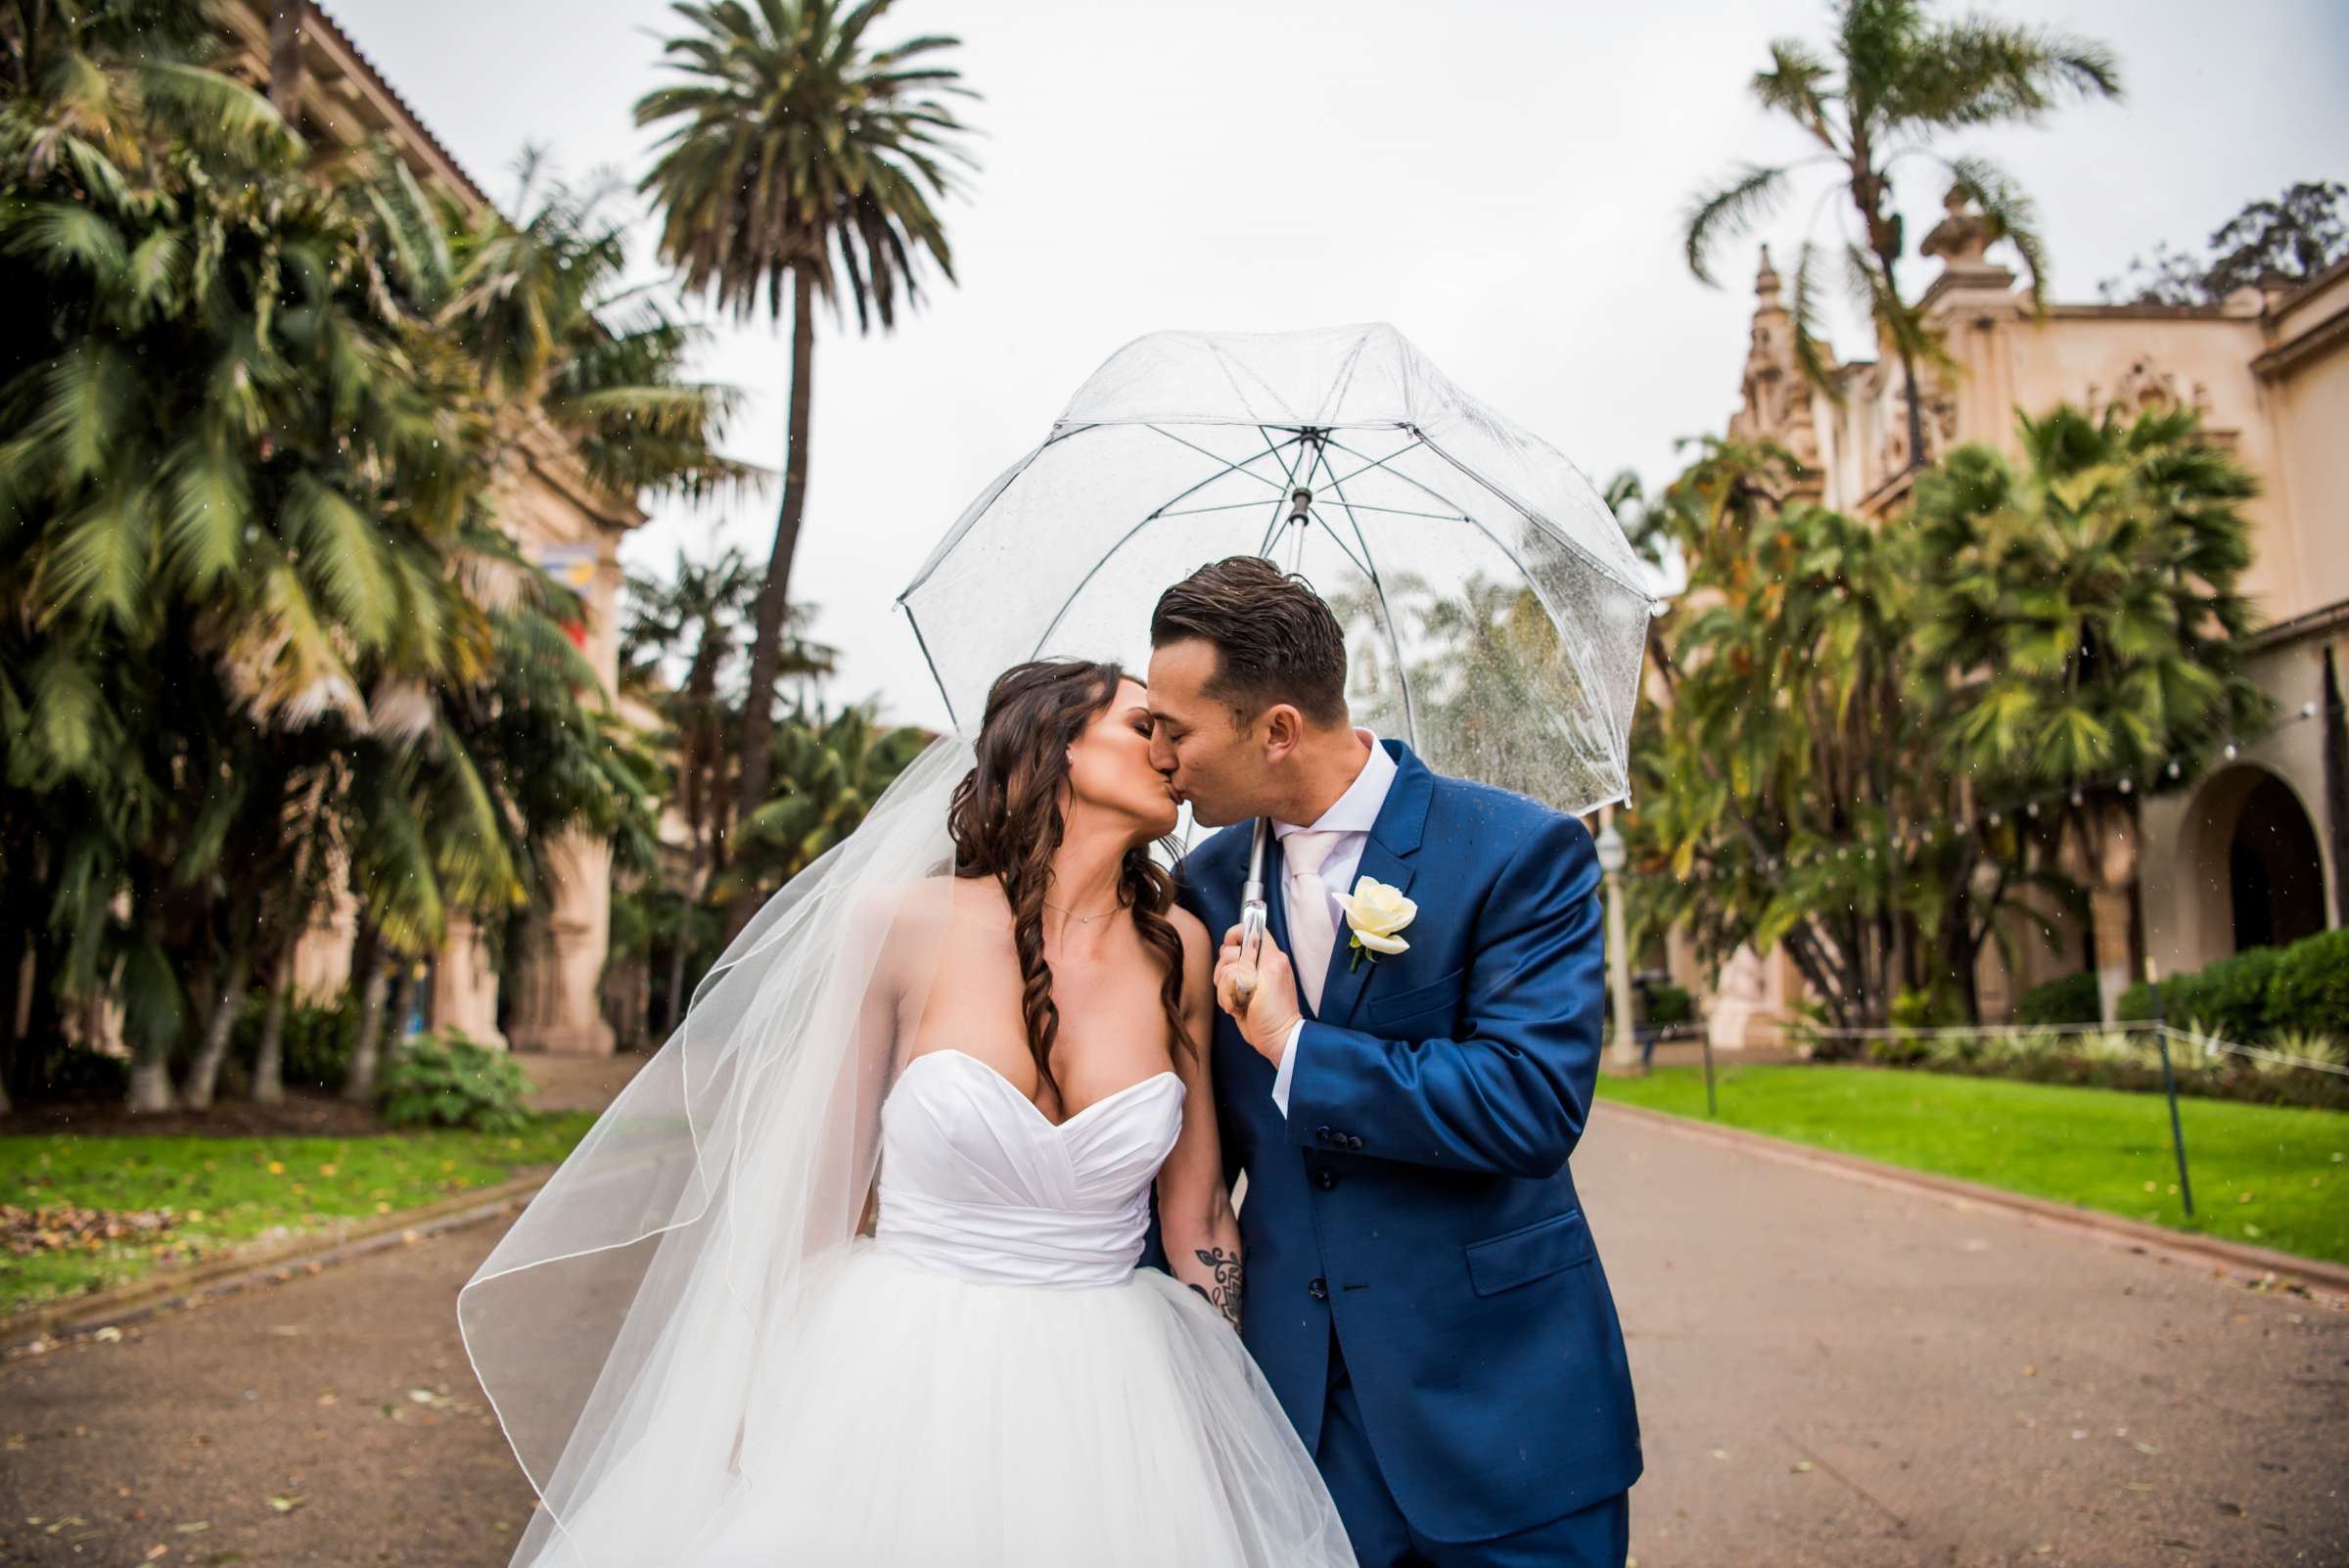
(322, 83)
(2252, 853)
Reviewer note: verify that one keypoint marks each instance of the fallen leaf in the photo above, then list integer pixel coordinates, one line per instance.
(287, 1502)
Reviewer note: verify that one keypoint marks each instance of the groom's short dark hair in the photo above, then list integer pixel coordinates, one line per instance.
(1275, 640)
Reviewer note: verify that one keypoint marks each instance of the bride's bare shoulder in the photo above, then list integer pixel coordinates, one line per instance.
(1188, 926)
(934, 906)
(1198, 951)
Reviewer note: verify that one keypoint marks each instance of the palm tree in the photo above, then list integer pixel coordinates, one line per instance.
(83, 80)
(255, 605)
(2086, 621)
(1897, 80)
(793, 149)
(829, 773)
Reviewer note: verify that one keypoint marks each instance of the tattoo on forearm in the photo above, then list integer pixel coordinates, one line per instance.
(1225, 1295)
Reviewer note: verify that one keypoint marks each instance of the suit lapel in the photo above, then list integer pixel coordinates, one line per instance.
(1390, 856)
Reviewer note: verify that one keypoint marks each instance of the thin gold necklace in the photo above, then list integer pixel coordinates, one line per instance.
(1084, 920)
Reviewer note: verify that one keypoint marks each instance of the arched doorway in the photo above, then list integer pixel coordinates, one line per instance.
(2273, 869)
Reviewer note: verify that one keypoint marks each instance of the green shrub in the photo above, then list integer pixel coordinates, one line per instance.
(2229, 1000)
(2309, 992)
(2073, 1000)
(445, 1080)
(64, 1072)
(1937, 1008)
(316, 1044)
(1670, 1005)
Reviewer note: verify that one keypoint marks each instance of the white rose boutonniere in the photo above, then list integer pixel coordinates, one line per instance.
(1374, 913)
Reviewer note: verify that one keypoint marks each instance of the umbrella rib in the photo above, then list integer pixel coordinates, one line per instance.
(1369, 462)
(1582, 670)
(923, 643)
(1360, 564)
(1569, 540)
(1395, 510)
(1240, 466)
(1094, 569)
(1201, 511)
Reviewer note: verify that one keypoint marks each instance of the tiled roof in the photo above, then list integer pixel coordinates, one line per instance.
(317, 16)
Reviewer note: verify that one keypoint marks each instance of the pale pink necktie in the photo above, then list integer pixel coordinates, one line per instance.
(1312, 934)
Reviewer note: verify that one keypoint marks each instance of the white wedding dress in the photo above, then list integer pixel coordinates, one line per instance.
(989, 1381)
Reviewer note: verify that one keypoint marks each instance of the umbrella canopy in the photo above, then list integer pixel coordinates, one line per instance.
(1495, 614)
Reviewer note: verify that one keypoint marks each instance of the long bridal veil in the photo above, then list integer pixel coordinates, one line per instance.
(622, 1326)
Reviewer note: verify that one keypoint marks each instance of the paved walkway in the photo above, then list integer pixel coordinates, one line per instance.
(1829, 1374)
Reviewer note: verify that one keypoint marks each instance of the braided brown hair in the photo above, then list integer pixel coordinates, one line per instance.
(1006, 823)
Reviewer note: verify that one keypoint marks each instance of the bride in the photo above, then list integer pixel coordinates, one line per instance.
(847, 1274)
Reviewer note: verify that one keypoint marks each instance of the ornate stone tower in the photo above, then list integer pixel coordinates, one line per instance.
(1777, 397)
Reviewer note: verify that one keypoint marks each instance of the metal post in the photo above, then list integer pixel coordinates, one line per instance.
(2169, 1086)
(1711, 1107)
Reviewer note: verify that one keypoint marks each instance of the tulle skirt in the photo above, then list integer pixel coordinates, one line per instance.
(924, 1421)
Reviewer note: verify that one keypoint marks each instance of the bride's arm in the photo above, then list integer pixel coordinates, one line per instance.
(1201, 1232)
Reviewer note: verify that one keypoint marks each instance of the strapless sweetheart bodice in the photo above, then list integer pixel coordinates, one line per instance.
(979, 1184)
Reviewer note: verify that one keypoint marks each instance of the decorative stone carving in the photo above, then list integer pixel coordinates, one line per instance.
(1776, 397)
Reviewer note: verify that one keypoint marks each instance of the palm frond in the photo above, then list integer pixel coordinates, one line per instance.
(1731, 209)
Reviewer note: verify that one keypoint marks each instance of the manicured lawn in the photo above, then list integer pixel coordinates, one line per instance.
(2275, 1176)
(221, 1190)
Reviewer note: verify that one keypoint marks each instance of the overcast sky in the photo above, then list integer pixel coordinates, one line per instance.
(1501, 181)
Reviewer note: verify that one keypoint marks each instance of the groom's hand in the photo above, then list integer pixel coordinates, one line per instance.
(1264, 1023)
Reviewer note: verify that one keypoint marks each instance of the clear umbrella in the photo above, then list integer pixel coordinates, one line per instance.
(1495, 614)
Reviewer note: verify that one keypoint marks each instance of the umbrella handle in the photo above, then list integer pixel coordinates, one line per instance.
(1252, 914)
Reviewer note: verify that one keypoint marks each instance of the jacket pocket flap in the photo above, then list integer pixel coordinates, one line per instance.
(1514, 1257)
(1404, 1004)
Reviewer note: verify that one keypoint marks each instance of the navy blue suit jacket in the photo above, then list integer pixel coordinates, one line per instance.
(1418, 1197)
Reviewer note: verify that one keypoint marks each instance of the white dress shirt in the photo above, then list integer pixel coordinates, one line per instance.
(1353, 815)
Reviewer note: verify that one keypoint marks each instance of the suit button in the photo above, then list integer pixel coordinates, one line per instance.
(1353, 1142)
(1325, 1179)
(1318, 1290)
(1321, 1134)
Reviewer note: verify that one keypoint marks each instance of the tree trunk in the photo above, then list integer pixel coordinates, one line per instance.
(697, 880)
(375, 983)
(404, 1002)
(268, 1063)
(774, 598)
(676, 1009)
(204, 1073)
(150, 1075)
(16, 1004)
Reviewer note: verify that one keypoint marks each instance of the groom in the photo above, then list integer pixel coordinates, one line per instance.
(1422, 1291)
